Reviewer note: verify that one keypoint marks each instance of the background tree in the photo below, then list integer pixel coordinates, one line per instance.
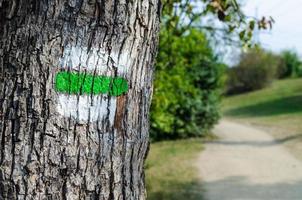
(291, 65)
(189, 76)
(256, 69)
(222, 20)
(187, 87)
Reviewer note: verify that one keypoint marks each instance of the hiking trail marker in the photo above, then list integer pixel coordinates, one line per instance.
(86, 89)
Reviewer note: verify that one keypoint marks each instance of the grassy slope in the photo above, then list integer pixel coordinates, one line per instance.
(170, 173)
(279, 105)
(277, 109)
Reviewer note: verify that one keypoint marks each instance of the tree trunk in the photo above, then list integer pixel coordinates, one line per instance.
(76, 85)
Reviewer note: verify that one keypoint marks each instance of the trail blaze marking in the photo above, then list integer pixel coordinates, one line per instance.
(87, 90)
(83, 83)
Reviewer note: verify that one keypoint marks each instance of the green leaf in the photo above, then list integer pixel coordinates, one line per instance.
(221, 15)
(252, 25)
(242, 34)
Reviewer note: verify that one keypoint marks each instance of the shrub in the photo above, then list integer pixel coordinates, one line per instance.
(256, 70)
(186, 95)
(291, 65)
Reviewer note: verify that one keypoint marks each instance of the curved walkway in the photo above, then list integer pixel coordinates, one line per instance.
(248, 164)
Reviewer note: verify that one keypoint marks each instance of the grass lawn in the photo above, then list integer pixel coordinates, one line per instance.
(277, 108)
(170, 170)
(278, 105)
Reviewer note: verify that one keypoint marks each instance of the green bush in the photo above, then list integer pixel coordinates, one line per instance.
(256, 70)
(186, 95)
(291, 65)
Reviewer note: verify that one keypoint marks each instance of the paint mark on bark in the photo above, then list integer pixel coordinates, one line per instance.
(93, 60)
(120, 110)
(86, 108)
(81, 83)
(89, 83)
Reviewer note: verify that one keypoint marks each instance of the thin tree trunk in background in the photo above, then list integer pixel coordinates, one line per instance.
(56, 145)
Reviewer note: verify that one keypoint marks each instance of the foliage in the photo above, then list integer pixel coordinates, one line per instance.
(188, 76)
(256, 69)
(181, 15)
(291, 65)
(170, 174)
(186, 96)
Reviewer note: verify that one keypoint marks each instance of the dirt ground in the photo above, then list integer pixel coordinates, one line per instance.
(247, 163)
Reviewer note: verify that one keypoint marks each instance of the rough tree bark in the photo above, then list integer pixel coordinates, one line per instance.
(56, 145)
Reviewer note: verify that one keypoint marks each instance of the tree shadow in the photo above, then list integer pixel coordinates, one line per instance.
(178, 191)
(240, 188)
(275, 107)
(258, 143)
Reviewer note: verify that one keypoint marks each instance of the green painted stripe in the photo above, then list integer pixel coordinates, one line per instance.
(82, 83)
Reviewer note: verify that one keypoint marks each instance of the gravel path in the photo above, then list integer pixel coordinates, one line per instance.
(248, 164)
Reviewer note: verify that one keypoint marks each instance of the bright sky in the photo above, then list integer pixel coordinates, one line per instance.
(287, 30)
